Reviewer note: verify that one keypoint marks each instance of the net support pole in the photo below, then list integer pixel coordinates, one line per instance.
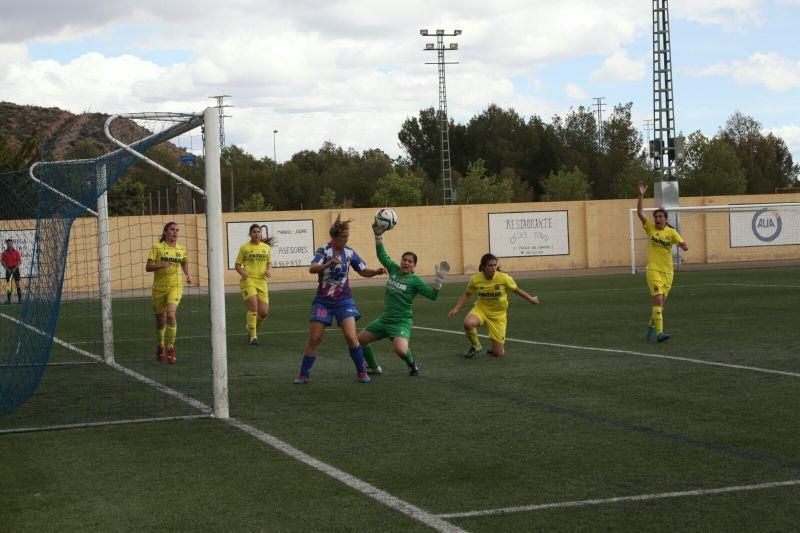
(216, 272)
(104, 255)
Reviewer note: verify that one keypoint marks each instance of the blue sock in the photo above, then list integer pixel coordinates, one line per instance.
(305, 366)
(357, 354)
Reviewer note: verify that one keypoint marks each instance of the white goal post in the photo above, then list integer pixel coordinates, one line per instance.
(209, 118)
(726, 233)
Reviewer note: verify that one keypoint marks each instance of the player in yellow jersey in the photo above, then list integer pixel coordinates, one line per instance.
(492, 287)
(254, 264)
(168, 262)
(660, 238)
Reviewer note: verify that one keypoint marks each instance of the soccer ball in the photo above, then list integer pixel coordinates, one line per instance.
(386, 218)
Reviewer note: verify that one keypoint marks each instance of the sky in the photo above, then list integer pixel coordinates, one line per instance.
(350, 72)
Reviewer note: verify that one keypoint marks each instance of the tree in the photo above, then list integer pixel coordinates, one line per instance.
(255, 203)
(396, 189)
(478, 188)
(521, 191)
(577, 133)
(765, 159)
(496, 136)
(16, 158)
(616, 162)
(421, 138)
(711, 167)
(127, 197)
(567, 185)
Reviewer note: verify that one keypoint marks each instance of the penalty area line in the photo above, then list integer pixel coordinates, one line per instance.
(630, 352)
(618, 499)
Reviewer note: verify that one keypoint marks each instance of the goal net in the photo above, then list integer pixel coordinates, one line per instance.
(78, 335)
(726, 234)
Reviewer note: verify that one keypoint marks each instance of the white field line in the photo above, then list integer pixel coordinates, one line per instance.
(353, 482)
(181, 337)
(383, 497)
(637, 498)
(756, 285)
(116, 366)
(630, 352)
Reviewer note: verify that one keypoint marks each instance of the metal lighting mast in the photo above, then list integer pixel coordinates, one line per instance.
(665, 148)
(599, 104)
(447, 178)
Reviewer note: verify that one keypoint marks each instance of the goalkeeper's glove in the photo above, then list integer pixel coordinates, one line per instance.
(442, 269)
(378, 231)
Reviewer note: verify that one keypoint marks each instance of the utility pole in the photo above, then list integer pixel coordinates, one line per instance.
(220, 106)
(448, 195)
(647, 125)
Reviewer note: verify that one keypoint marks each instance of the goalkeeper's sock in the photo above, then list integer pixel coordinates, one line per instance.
(171, 333)
(252, 323)
(657, 318)
(160, 333)
(473, 338)
(357, 355)
(409, 357)
(305, 366)
(369, 356)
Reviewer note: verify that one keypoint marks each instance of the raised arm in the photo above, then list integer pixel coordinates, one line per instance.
(639, 207)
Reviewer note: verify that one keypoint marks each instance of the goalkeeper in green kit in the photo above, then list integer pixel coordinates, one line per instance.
(396, 320)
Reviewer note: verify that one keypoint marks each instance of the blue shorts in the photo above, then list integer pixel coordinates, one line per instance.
(324, 310)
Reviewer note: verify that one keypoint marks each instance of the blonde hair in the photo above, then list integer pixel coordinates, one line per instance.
(339, 226)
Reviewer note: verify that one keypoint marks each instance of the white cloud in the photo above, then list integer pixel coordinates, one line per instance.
(574, 92)
(732, 15)
(619, 67)
(790, 134)
(771, 70)
(349, 71)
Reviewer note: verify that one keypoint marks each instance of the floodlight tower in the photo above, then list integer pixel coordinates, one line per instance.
(447, 178)
(665, 148)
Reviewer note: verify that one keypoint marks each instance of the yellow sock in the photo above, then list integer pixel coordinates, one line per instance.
(171, 332)
(259, 320)
(252, 323)
(657, 319)
(160, 333)
(473, 338)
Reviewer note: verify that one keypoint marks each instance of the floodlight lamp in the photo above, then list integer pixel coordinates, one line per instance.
(453, 46)
(439, 32)
(428, 46)
(456, 32)
(423, 32)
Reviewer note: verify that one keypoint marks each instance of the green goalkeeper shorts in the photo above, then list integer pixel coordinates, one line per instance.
(382, 328)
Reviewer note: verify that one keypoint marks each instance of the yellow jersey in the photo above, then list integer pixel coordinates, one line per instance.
(255, 259)
(492, 293)
(659, 246)
(171, 277)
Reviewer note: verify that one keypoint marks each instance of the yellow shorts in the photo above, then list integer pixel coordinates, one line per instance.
(250, 289)
(496, 322)
(162, 297)
(658, 282)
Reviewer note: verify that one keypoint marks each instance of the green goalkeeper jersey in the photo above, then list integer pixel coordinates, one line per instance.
(401, 289)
